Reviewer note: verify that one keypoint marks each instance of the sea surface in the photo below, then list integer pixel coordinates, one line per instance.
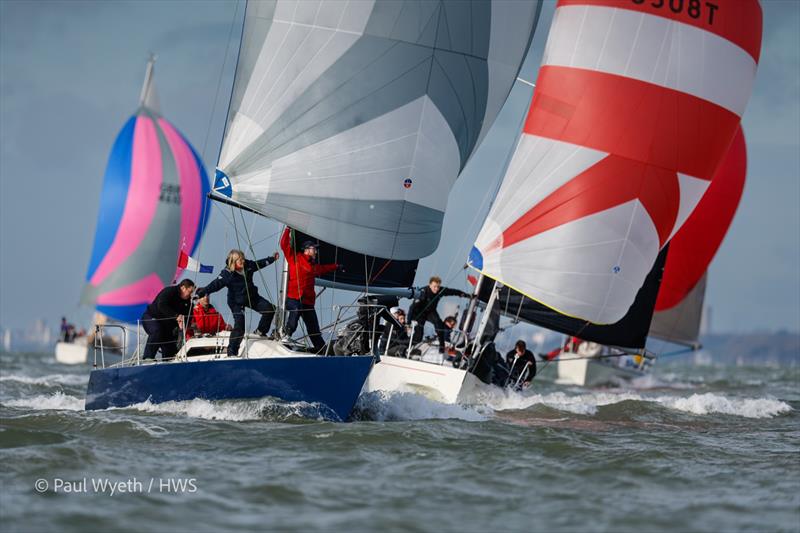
(685, 449)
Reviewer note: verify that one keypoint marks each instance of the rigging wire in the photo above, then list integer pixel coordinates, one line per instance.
(204, 151)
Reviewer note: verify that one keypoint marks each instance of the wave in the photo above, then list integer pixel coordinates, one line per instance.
(709, 403)
(238, 411)
(49, 380)
(57, 401)
(384, 406)
(582, 404)
(698, 404)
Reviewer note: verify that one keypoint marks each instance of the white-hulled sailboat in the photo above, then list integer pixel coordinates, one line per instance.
(634, 109)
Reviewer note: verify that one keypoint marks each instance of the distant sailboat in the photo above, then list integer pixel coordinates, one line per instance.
(151, 209)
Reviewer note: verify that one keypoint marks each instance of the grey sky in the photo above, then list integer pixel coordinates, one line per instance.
(70, 74)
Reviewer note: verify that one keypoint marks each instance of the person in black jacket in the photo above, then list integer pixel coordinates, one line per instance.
(237, 276)
(168, 310)
(394, 339)
(521, 362)
(423, 309)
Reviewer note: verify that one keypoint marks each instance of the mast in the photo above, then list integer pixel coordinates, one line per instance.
(147, 96)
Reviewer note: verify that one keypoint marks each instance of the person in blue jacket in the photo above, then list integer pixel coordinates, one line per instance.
(237, 276)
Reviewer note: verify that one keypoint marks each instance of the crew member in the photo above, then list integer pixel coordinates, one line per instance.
(300, 293)
(394, 339)
(423, 309)
(205, 319)
(237, 276)
(161, 317)
(521, 364)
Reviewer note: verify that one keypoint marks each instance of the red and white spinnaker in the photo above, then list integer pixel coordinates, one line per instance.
(636, 104)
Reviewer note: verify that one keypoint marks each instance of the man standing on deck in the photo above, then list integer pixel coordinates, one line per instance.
(300, 293)
(423, 309)
(168, 310)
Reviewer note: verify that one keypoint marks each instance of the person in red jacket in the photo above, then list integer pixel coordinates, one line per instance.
(205, 319)
(300, 293)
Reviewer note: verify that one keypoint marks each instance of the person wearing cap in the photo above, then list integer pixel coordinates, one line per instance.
(300, 293)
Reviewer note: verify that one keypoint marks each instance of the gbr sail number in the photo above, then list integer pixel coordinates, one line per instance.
(694, 8)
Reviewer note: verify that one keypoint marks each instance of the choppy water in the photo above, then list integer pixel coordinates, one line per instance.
(688, 449)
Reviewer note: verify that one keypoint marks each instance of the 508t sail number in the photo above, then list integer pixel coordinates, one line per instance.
(694, 8)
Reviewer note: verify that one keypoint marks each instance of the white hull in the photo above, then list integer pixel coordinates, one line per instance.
(593, 365)
(592, 373)
(72, 353)
(441, 383)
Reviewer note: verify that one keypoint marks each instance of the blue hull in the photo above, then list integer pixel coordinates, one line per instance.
(334, 382)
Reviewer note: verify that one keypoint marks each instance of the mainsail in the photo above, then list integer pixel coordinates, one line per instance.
(360, 271)
(151, 208)
(350, 121)
(636, 103)
(679, 306)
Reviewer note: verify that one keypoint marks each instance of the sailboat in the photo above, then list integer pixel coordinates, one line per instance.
(678, 309)
(348, 122)
(634, 108)
(151, 207)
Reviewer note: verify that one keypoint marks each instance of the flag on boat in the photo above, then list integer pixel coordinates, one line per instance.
(153, 199)
(191, 264)
(350, 121)
(635, 106)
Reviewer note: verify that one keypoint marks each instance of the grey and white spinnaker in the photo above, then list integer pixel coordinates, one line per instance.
(351, 121)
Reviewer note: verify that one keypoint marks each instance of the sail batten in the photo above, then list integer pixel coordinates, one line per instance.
(351, 121)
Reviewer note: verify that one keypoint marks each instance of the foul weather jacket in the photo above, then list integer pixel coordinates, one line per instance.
(302, 272)
(241, 289)
(168, 304)
(207, 321)
(516, 364)
(426, 301)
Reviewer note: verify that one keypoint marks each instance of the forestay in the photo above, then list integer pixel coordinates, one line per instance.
(634, 108)
(679, 307)
(151, 207)
(350, 121)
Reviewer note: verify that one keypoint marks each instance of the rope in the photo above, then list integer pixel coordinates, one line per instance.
(211, 120)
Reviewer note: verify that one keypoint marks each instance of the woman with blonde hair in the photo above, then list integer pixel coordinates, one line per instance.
(237, 276)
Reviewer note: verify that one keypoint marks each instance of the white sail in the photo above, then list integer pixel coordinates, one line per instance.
(350, 121)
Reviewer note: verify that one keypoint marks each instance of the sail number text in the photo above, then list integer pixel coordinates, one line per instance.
(694, 8)
(170, 194)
